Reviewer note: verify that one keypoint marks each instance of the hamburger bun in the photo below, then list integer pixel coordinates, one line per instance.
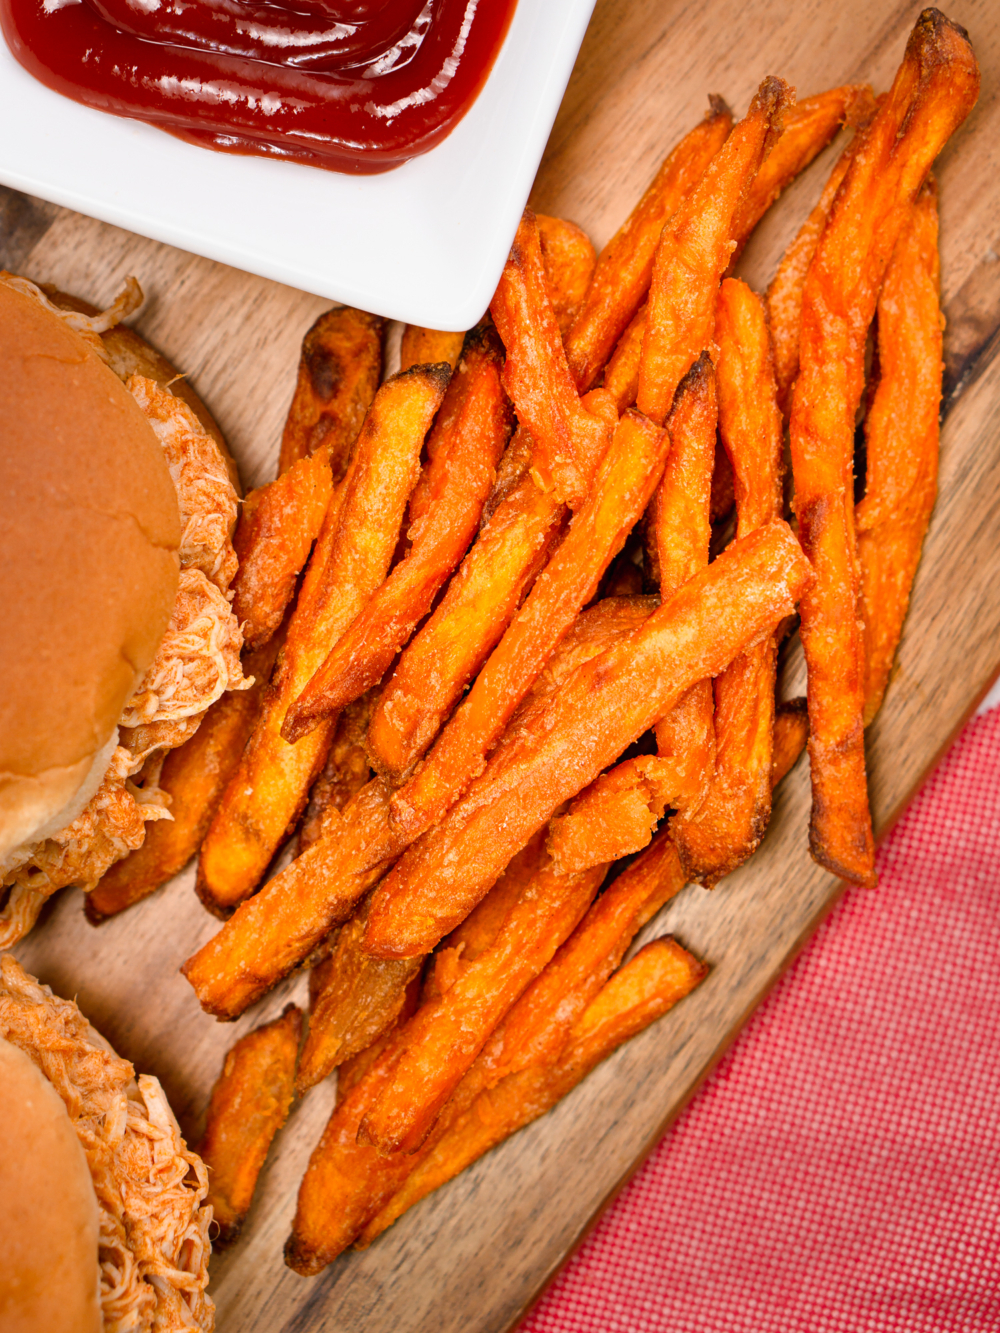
(49, 1276)
(89, 546)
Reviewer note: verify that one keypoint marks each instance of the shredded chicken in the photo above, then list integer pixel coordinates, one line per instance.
(198, 660)
(89, 327)
(153, 1246)
(108, 828)
(207, 500)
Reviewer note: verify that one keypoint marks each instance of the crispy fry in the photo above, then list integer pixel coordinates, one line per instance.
(622, 377)
(641, 991)
(339, 372)
(601, 709)
(730, 822)
(625, 265)
(446, 1034)
(613, 817)
(681, 528)
(195, 776)
(569, 257)
(250, 1103)
(569, 440)
(353, 1070)
(277, 929)
(791, 731)
(350, 560)
(624, 483)
(464, 447)
(902, 438)
(694, 250)
(358, 998)
(784, 296)
(346, 770)
(469, 621)
(933, 92)
(429, 347)
(278, 525)
(808, 127)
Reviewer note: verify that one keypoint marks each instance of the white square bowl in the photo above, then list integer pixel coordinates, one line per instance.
(424, 243)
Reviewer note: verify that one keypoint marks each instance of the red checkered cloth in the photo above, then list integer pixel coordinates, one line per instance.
(839, 1173)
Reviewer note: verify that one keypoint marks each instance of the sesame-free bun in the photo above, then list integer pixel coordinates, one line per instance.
(88, 561)
(49, 1276)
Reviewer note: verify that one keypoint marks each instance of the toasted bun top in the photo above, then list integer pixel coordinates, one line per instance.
(88, 553)
(49, 1278)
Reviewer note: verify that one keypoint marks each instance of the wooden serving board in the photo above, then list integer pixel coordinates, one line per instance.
(473, 1256)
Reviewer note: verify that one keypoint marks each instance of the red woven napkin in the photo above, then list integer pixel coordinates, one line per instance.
(840, 1169)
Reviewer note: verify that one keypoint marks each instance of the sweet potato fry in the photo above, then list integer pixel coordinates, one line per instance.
(429, 347)
(791, 731)
(464, 447)
(622, 377)
(613, 817)
(339, 372)
(621, 490)
(350, 560)
(569, 440)
(644, 989)
(784, 296)
(901, 431)
(277, 929)
(931, 95)
(727, 826)
(602, 708)
(346, 770)
(625, 265)
(568, 256)
(195, 776)
(446, 1034)
(250, 1103)
(359, 998)
(694, 250)
(353, 1069)
(278, 525)
(681, 530)
(808, 127)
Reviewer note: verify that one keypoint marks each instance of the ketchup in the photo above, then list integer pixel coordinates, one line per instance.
(350, 85)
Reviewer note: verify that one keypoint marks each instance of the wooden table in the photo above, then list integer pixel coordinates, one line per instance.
(473, 1256)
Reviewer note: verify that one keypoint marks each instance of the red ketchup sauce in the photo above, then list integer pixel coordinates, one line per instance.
(351, 85)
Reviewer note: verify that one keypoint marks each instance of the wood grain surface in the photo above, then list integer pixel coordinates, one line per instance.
(474, 1255)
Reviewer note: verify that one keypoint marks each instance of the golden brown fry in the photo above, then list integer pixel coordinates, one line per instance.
(250, 1103)
(791, 731)
(693, 253)
(350, 560)
(902, 432)
(606, 704)
(358, 997)
(277, 929)
(346, 770)
(808, 127)
(625, 266)
(429, 347)
(278, 525)
(569, 440)
(730, 822)
(569, 257)
(621, 490)
(339, 372)
(195, 776)
(933, 92)
(681, 530)
(446, 1034)
(464, 447)
(644, 989)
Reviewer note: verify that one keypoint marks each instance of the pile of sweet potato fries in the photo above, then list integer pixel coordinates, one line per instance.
(495, 580)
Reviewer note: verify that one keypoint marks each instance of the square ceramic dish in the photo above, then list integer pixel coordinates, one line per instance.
(424, 243)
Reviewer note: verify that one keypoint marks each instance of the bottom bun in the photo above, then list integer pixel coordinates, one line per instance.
(49, 1277)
